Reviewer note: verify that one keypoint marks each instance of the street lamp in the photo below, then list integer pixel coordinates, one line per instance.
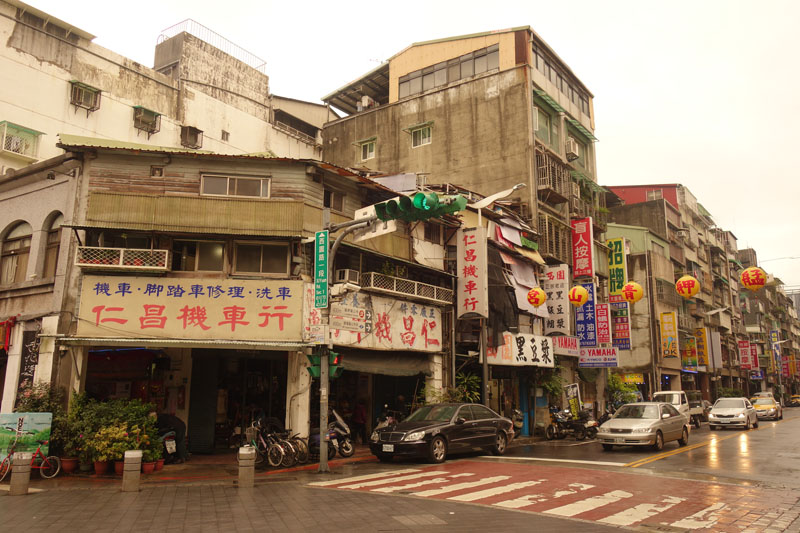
(484, 340)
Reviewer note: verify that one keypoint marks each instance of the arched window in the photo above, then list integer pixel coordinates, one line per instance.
(15, 252)
(53, 241)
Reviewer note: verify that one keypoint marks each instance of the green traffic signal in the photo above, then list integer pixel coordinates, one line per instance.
(420, 206)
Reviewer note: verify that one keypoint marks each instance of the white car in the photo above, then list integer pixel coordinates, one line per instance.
(732, 412)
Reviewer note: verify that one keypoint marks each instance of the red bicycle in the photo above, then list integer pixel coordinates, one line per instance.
(48, 467)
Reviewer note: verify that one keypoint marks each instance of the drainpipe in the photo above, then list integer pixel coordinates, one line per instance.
(656, 385)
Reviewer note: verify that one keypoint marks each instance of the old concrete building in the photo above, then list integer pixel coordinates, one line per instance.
(197, 96)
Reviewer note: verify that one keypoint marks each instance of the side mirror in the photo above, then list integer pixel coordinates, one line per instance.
(460, 420)
(665, 415)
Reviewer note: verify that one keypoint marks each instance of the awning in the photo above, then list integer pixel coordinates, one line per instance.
(578, 126)
(389, 363)
(580, 178)
(736, 262)
(182, 343)
(533, 255)
(552, 103)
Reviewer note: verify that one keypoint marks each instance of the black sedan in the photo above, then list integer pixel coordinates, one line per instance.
(435, 430)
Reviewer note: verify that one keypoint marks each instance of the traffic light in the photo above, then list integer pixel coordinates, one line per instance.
(313, 358)
(334, 362)
(420, 206)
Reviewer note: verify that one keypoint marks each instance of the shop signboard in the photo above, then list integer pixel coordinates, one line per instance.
(321, 269)
(756, 374)
(617, 266)
(522, 349)
(701, 342)
(669, 334)
(689, 355)
(382, 323)
(191, 308)
(556, 285)
(774, 339)
(566, 345)
(22, 430)
(598, 358)
(633, 379)
(754, 360)
(582, 244)
(744, 355)
(620, 313)
(585, 319)
(603, 313)
(785, 367)
(573, 393)
(473, 286)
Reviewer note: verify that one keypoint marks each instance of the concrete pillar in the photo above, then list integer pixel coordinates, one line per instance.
(298, 394)
(433, 383)
(11, 384)
(20, 474)
(132, 471)
(247, 467)
(44, 368)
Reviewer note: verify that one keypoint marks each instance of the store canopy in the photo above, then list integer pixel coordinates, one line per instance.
(387, 363)
(552, 103)
(580, 127)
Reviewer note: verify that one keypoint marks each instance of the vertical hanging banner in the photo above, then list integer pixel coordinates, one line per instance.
(556, 286)
(573, 393)
(744, 355)
(603, 314)
(754, 356)
(701, 341)
(620, 312)
(582, 243)
(785, 367)
(321, 269)
(585, 320)
(669, 334)
(617, 266)
(689, 355)
(473, 287)
(774, 338)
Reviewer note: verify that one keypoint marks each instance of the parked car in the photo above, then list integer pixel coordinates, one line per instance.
(433, 431)
(767, 408)
(732, 412)
(706, 409)
(644, 424)
(794, 401)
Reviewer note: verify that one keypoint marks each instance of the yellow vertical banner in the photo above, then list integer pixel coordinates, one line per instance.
(701, 339)
(669, 334)
(617, 265)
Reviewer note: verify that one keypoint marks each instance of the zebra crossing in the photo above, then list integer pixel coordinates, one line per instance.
(606, 497)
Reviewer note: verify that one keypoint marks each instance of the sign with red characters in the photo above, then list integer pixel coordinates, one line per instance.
(473, 287)
(603, 314)
(582, 243)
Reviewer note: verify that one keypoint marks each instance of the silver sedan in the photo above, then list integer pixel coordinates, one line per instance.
(733, 412)
(644, 424)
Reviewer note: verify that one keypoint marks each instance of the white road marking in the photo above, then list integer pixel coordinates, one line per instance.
(472, 496)
(641, 512)
(433, 481)
(588, 504)
(705, 518)
(391, 480)
(530, 499)
(460, 486)
(361, 478)
(578, 461)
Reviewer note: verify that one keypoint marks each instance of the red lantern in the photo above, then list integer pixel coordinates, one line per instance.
(753, 278)
(632, 292)
(687, 286)
(578, 295)
(536, 297)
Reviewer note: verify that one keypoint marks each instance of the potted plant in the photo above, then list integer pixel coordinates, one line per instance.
(108, 444)
(148, 453)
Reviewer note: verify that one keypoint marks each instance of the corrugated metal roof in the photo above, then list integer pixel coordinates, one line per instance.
(580, 127)
(550, 101)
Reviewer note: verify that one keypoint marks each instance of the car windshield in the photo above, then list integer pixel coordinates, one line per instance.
(674, 399)
(432, 413)
(765, 402)
(729, 404)
(637, 411)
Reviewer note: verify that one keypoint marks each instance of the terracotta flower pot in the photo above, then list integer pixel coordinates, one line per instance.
(100, 467)
(119, 467)
(160, 464)
(147, 468)
(69, 464)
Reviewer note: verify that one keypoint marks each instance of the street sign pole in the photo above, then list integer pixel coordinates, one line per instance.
(321, 278)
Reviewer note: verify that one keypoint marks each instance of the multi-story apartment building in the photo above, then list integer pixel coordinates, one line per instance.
(56, 80)
(486, 112)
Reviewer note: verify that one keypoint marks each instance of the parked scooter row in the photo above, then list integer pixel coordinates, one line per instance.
(562, 423)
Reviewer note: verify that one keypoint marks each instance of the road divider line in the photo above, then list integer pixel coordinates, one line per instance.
(664, 455)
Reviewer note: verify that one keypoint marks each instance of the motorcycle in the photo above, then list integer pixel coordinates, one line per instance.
(562, 424)
(590, 424)
(517, 419)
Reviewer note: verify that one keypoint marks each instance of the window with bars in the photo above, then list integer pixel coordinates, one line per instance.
(19, 140)
(84, 96)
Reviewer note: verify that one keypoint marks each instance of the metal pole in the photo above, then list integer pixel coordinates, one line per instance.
(484, 345)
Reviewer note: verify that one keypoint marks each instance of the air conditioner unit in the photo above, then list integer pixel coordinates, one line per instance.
(347, 275)
(572, 149)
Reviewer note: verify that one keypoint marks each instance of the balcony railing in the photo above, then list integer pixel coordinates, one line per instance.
(122, 258)
(405, 287)
(554, 179)
(686, 322)
(554, 238)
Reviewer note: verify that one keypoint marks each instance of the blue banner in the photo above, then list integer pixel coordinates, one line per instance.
(586, 320)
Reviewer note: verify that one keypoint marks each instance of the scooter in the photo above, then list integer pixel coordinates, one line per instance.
(340, 436)
(517, 419)
(562, 424)
(170, 446)
(388, 418)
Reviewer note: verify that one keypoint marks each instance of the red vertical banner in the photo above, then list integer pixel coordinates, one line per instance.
(582, 243)
(744, 355)
(603, 314)
(473, 286)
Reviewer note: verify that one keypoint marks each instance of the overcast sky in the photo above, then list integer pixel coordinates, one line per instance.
(702, 93)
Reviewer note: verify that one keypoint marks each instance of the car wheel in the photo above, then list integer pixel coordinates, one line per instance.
(608, 447)
(712, 428)
(756, 424)
(781, 417)
(684, 440)
(696, 422)
(500, 442)
(749, 425)
(438, 450)
(658, 445)
(384, 458)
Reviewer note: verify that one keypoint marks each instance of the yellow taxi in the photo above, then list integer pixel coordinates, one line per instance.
(794, 401)
(767, 408)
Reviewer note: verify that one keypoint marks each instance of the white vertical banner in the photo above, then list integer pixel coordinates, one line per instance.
(603, 314)
(556, 285)
(473, 285)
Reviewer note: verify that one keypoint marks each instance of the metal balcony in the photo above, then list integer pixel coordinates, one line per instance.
(375, 281)
(135, 259)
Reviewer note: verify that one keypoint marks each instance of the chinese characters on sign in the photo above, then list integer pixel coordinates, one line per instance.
(701, 336)
(473, 287)
(602, 311)
(689, 355)
(585, 320)
(193, 308)
(556, 284)
(669, 334)
(321, 269)
(522, 350)
(582, 243)
(621, 339)
(774, 338)
(617, 266)
(634, 379)
(598, 357)
(744, 355)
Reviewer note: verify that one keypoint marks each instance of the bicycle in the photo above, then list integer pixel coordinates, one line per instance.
(49, 467)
